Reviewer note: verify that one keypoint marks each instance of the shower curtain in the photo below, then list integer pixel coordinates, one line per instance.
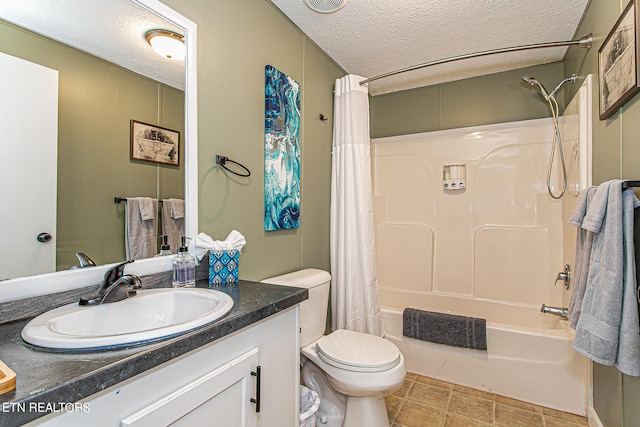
(354, 288)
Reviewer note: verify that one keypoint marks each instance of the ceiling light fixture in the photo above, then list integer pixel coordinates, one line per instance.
(166, 43)
(325, 6)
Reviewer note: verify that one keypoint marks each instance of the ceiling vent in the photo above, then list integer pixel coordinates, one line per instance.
(325, 6)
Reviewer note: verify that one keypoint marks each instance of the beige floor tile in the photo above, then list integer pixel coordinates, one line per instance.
(416, 415)
(402, 391)
(429, 395)
(559, 422)
(434, 382)
(510, 416)
(471, 407)
(455, 420)
(410, 376)
(427, 402)
(518, 404)
(393, 404)
(565, 416)
(474, 392)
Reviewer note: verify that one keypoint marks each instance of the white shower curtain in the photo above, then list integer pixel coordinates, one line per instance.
(354, 287)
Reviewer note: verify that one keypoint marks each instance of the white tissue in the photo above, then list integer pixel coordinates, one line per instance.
(205, 243)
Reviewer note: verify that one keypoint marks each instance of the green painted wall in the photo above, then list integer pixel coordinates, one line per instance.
(97, 100)
(236, 39)
(495, 98)
(616, 154)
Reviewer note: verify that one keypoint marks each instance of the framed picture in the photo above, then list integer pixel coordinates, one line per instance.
(618, 63)
(151, 143)
(281, 151)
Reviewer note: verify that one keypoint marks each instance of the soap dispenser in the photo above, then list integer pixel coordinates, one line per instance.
(184, 267)
(165, 248)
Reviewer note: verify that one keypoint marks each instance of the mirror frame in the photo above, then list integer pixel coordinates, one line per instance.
(43, 284)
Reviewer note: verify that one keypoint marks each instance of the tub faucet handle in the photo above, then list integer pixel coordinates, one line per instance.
(564, 276)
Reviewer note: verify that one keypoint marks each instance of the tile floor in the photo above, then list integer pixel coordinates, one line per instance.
(427, 402)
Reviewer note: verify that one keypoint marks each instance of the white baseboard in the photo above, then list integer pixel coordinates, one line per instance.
(594, 420)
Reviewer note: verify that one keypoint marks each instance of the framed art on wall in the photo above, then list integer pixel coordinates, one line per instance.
(618, 63)
(281, 151)
(151, 143)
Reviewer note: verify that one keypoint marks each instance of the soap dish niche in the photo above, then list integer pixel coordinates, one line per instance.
(454, 177)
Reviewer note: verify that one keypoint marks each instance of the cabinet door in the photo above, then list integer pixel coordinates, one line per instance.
(221, 397)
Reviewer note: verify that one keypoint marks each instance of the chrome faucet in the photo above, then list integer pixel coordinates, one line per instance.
(556, 311)
(116, 286)
(84, 260)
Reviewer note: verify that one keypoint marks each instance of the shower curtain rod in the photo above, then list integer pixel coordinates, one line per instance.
(584, 42)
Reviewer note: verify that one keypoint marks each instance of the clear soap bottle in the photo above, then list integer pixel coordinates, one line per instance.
(184, 267)
(165, 248)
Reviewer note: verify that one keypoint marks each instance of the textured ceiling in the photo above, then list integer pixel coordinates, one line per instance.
(373, 37)
(366, 37)
(110, 29)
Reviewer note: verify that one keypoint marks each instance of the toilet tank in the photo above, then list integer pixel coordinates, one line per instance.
(313, 311)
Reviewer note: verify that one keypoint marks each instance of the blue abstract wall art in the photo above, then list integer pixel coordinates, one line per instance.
(281, 151)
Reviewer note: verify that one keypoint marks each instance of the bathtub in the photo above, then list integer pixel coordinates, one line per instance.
(532, 362)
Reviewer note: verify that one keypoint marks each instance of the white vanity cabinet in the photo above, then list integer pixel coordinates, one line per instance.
(225, 391)
(215, 385)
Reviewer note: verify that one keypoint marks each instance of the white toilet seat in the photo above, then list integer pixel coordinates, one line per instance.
(357, 351)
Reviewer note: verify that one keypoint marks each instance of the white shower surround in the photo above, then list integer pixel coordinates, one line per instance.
(496, 240)
(490, 251)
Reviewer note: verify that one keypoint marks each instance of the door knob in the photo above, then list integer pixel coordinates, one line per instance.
(44, 237)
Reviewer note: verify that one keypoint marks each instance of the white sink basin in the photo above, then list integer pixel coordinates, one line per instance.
(151, 315)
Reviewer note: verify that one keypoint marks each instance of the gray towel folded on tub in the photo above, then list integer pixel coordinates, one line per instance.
(441, 328)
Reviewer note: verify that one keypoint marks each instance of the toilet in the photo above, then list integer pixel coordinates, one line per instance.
(351, 371)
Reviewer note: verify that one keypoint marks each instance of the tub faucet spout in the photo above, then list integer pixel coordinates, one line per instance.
(556, 311)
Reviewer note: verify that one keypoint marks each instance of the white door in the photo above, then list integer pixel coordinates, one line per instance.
(28, 143)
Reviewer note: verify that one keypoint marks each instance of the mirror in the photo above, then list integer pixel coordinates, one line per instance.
(21, 287)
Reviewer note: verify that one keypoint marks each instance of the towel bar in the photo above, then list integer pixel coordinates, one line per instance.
(124, 199)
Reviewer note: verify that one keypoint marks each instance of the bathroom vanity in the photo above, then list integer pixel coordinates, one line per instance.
(239, 371)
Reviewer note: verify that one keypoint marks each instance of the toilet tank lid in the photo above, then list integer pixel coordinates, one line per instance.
(307, 278)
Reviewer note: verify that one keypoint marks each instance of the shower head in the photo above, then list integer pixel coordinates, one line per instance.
(534, 82)
(571, 79)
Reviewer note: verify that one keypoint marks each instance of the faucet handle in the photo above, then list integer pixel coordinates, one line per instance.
(115, 272)
(564, 276)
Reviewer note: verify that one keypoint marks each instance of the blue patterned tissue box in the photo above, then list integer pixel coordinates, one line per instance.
(223, 267)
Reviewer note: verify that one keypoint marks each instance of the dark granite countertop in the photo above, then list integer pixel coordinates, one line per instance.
(46, 379)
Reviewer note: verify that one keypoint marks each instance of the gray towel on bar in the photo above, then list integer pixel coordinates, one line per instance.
(584, 242)
(173, 222)
(141, 235)
(441, 328)
(607, 331)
